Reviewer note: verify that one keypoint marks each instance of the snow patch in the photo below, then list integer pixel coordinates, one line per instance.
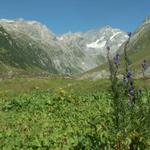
(126, 36)
(96, 44)
(119, 45)
(115, 34)
(61, 38)
(102, 38)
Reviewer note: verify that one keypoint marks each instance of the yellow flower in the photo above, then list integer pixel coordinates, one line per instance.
(60, 88)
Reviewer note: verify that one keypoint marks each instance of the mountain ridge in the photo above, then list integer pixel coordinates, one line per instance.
(51, 52)
(137, 51)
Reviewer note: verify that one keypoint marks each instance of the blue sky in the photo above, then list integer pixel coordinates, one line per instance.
(62, 16)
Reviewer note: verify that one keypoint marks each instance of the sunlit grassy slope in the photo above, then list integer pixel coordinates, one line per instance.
(20, 56)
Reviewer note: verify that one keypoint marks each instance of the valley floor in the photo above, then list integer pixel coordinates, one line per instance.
(63, 114)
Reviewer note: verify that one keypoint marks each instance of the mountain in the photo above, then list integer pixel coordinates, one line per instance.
(94, 42)
(138, 49)
(22, 53)
(31, 46)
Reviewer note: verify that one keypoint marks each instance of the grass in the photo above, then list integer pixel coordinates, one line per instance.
(63, 114)
(17, 85)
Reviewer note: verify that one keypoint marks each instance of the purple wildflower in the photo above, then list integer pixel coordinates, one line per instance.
(131, 91)
(129, 75)
(117, 60)
(131, 95)
(129, 34)
(144, 65)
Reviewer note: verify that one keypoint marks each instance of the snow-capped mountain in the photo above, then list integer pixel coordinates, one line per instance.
(94, 42)
(138, 50)
(69, 53)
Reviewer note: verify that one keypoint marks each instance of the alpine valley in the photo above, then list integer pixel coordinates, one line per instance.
(75, 91)
(30, 47)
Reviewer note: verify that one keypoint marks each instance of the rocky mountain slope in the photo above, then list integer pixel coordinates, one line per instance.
(94, 42)
(138, 50)
(30, 46)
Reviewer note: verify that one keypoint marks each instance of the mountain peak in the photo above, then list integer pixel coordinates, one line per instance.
(74, 51)
(32, 28)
